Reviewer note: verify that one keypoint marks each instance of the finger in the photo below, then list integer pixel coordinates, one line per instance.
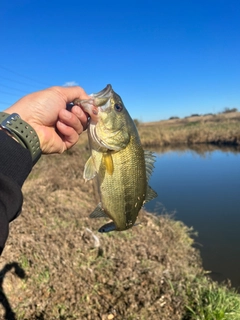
(70, 120)
(68, 134)
(71, 93)
(81, 115)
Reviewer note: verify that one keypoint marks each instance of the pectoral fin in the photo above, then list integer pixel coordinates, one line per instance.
(98, 212)
(151, 194)
(89, 170)
(108, 162)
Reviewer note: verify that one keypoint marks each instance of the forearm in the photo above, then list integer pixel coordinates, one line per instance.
(15, 166)
(39, 122)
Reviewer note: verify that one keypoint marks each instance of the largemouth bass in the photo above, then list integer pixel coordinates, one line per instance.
(118, 161)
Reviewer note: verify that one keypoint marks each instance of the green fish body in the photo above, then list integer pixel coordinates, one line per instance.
(118, 161)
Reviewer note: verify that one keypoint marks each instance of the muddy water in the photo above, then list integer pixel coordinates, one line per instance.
(202, 188)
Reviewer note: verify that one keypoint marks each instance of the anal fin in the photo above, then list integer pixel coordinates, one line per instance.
(151, 194)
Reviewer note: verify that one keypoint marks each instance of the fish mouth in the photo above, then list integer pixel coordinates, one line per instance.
(101, 99)
(105, 92)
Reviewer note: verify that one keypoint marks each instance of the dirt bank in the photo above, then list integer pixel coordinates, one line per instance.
(56, 265)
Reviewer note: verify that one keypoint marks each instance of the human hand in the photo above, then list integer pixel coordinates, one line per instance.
(57, 128)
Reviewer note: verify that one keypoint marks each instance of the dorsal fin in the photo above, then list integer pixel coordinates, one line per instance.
(149, 162)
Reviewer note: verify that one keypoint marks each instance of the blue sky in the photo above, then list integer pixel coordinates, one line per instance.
(164, 58)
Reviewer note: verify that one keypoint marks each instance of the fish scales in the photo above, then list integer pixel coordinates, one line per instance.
(120, 199)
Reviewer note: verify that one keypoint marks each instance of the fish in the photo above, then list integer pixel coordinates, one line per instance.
(118, 161)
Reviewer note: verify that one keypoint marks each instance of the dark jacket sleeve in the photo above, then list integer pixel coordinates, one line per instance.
(15, 166)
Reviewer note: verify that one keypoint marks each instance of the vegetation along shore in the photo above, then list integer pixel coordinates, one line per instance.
(56, 265)
(218, 129)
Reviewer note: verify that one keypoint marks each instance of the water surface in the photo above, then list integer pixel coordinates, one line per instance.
(202, 189)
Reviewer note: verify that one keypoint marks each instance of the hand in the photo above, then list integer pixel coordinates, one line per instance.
(57, 128)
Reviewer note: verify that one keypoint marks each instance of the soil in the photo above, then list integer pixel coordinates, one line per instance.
(57, 266)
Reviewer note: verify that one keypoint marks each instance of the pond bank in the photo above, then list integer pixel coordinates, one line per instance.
(216, 129)
(149, 272)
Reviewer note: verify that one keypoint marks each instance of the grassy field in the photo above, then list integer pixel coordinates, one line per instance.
(56, 265)
(219, 129)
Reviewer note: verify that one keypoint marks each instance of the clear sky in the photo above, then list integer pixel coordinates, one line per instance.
(164, 58)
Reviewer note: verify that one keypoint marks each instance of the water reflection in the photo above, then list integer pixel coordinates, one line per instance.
(201, 185)
(200, 149)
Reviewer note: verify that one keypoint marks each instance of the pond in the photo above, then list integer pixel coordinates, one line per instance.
(201, 187)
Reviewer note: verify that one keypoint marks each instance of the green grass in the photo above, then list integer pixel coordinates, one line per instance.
(24, 263)
(208, 300)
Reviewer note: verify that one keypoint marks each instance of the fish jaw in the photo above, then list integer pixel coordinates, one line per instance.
(93, 105)
(103, 93)
(89, 107)
(99, 102)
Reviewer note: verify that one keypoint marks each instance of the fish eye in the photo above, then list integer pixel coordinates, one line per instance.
(118, 107)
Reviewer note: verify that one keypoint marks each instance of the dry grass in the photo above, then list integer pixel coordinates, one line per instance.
(216, 129)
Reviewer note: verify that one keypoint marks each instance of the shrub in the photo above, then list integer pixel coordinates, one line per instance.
(174, 118)
(228, 110)
(195, 115)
